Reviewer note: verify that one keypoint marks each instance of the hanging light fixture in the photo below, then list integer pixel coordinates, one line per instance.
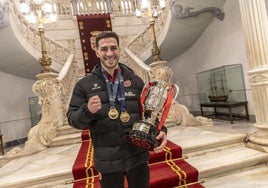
(151, 9)
(40, 12)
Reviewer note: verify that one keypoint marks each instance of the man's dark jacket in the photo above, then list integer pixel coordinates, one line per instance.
(111, 152)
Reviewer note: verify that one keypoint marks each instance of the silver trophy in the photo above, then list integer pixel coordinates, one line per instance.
(156, 100)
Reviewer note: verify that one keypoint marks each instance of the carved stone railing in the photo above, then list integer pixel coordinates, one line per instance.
(54, 92)
(67, 77)
(116, 7)
(56, 51)
(140, 68)
(143, 41)
(74, 7)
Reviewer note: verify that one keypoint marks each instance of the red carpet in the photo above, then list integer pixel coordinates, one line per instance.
(167, 168)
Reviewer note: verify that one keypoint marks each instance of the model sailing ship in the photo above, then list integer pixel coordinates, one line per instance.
(218, 89)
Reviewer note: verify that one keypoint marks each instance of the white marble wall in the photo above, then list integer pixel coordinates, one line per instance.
(15, 130)
(15, 119)
(222, 43)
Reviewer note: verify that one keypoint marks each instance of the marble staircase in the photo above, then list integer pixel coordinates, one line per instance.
(215, 152)
(66, 135)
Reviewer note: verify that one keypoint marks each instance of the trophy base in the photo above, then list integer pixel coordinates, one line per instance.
(143, 135)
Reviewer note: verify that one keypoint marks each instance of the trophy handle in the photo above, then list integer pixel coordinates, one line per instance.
(177, 92)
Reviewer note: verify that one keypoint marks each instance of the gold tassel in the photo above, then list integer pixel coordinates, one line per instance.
(188, 184)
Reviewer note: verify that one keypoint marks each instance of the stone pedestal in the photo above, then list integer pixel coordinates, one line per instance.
(48, 90)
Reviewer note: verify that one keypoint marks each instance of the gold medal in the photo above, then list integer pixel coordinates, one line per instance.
(113, 113)
(125, 117)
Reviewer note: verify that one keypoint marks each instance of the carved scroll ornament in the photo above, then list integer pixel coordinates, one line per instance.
(179, 12)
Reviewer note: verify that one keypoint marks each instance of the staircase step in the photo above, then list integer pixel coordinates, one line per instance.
(67, 129)
(198, 140)
(216, 151)
(255, 177)
(225, 161)
(46, 168)
(66, 139)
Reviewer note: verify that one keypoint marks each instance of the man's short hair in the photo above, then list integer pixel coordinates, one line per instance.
(106, 34)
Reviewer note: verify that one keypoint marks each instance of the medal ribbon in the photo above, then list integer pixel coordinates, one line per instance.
(112, 90)
(121, 94)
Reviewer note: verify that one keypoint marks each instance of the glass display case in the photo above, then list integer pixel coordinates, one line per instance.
(35, 110)
(221, 84)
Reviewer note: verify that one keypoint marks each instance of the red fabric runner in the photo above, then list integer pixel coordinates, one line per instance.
(167, 169)
(89, 26)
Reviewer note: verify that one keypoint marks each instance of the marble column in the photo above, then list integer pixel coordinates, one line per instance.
(255, 26)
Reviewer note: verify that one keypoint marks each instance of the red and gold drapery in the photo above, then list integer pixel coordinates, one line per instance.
(89, 26)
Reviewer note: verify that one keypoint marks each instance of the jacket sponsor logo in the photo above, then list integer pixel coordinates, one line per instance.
(127, 83)
(96, 86)
(130, 94)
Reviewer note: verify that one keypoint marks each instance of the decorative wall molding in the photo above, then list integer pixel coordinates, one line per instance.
(4, 14)
(179, 12)
(258, 77)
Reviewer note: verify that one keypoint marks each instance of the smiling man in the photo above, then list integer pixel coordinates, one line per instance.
(107, 103)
